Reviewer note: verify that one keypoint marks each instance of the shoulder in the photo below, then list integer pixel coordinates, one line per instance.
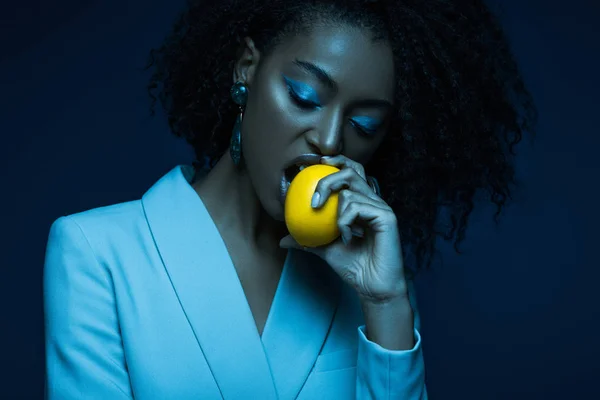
(101, 233)
(122, 232)
(101, 223)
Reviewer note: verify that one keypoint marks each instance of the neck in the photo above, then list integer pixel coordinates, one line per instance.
(231, 201)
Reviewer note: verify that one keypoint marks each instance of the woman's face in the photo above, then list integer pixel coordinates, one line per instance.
(319, 95)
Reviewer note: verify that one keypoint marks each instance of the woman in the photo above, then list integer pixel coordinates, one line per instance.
(197, 291)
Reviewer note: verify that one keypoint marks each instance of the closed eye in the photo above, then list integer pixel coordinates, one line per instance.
(301, 101)
(365, 125)
(302, 94)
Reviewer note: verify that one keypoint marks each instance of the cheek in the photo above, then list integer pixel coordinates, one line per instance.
(359, 149)
(278, 103)
(268, 130)
(269, 114)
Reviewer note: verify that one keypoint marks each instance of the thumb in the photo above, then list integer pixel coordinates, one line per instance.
(288, 242)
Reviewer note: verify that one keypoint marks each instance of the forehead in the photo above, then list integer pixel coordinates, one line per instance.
(356, 62)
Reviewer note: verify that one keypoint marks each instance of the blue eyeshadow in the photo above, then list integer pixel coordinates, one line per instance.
(302, 91)
(368, 124)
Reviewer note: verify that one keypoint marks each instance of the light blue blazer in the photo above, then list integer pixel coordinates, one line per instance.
(142, 301)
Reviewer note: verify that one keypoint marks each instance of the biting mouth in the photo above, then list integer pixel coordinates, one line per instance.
(290, 172)
(294, 167)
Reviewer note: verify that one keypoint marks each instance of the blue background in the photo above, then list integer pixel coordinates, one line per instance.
(515, 317)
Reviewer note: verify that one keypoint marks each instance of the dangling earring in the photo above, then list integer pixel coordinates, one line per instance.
(239, 94)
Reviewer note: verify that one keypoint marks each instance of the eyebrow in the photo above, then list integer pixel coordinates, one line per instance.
(318, 72)
(328, 81)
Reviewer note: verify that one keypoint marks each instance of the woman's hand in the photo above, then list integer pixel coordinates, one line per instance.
(368, 255)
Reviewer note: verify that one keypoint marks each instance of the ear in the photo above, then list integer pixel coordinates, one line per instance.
(246, 65)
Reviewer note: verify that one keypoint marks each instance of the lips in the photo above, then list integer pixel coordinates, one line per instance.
(298, 164)
(292, 168)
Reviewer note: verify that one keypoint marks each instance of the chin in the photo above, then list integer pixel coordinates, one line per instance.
(277, 212)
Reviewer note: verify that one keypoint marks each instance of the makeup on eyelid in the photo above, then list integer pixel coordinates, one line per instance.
(368, 124)
(307, 94)
(302, 91)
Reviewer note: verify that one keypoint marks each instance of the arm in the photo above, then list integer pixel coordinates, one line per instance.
(382, 371)
(84, 353)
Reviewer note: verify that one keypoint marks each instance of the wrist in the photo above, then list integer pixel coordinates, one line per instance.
(390, 323)
(397, 302)
(395, 295)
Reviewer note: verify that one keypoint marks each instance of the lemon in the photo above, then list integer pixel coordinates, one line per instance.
(311, 227)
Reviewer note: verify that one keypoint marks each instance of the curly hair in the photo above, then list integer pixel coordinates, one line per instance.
(461, 104)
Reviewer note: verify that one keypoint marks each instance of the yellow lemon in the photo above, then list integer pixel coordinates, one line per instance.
(311, 227)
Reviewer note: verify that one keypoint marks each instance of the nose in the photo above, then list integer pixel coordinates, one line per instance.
(327, 139)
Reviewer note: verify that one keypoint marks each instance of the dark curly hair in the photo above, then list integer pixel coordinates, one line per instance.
(462, 105)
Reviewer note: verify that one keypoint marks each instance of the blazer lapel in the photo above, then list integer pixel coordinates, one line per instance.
(208, 288)
(299, 320)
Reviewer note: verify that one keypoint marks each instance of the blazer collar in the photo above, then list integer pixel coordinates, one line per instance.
(210, 293)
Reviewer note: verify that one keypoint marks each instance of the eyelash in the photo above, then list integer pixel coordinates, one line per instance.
(367, 132)
(305, 104)
(302, 103)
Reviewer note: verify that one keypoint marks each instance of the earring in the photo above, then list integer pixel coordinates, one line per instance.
(239, 94)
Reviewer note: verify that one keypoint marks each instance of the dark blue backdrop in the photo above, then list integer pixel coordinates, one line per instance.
(513, 318)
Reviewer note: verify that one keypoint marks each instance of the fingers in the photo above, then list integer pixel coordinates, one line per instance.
(360, 209)
(357, 213)
(351, 176)
(342, 161)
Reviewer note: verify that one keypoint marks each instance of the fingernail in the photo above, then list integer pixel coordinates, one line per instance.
(325, 158)
(356, 232)
(315, 200)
